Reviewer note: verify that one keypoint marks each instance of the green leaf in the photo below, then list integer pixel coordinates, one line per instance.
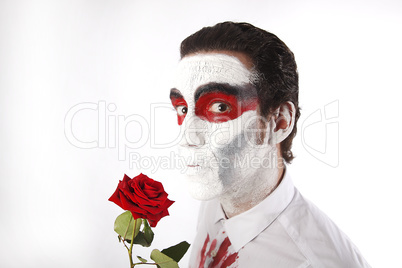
(144, 237)
(162, 260)
(142, 259)
(124, 225)
(141, 240)
(176, 252)
(148, 234)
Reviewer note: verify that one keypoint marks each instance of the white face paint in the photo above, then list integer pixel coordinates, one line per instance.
(224, 156)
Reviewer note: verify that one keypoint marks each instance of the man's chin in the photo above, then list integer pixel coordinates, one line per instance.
(203, 187)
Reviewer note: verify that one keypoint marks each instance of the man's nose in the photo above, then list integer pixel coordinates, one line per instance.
(194, 132)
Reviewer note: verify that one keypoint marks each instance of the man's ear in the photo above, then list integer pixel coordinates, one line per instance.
(282, 122)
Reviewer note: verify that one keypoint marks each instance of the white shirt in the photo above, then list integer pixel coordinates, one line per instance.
(284, 230)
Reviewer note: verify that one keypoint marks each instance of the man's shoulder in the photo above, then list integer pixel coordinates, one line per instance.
(317, 236)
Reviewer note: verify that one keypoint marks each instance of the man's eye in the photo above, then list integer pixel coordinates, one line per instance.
(181, 110)
(219, 107)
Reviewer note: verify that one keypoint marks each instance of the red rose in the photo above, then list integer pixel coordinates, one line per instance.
(144, 197)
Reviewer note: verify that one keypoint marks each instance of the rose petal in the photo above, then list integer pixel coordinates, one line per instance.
(128, 205)
(115, 198)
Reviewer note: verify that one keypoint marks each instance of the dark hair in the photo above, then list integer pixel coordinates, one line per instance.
(278, 80)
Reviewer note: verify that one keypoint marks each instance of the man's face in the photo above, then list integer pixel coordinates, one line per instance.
(216, 104)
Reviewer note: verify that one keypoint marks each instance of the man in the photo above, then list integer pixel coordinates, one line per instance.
(236, 95)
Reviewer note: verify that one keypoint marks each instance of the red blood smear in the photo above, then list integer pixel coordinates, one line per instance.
(229, 260)
(212, 247)
(220, 256)
(203, 256)
(223, 250)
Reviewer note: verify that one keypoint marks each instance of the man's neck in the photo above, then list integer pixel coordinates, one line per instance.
(258, 188)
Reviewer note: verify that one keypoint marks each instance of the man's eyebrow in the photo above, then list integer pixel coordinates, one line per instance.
(244, 91)
(216, 87)
(175, 93)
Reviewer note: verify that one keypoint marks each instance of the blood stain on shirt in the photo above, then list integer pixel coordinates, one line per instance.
(221, 257)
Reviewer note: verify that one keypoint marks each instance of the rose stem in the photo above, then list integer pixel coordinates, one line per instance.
(130, 251)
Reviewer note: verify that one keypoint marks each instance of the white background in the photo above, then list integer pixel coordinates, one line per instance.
(57, 54)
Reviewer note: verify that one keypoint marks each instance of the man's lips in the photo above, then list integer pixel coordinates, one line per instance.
(193, 165)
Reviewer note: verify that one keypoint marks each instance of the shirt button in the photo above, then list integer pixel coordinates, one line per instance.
(213, 253)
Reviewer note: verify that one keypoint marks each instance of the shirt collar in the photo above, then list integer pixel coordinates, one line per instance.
(244, 227)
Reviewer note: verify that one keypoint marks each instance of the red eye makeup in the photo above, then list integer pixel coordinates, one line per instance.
(181, 107)
(219, 107)
(216, 103)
